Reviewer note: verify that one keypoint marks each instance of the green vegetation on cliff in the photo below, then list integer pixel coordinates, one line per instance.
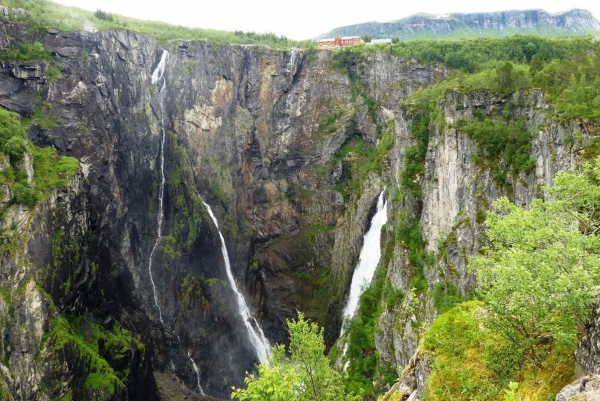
(361, 354)
(50, 170)
(85, 340)
(470, 361)
(26, 52)
(538, 279)
(47, 15)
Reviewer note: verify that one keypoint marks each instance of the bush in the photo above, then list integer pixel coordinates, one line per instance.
(27, 51)
(24, 194)
(14, 147)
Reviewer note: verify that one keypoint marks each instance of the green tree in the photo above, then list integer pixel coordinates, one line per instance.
(540, 273)
(304, 375)
(536, 65)
(505, 77)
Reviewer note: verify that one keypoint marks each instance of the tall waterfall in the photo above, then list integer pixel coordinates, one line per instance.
(257, 337)
(368, 260)
(157, 74)
(197, 374)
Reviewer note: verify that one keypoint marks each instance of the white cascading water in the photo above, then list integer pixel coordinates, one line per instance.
(368, 260)
(156, 76)
(197, 374)
(292, 62)
(257, 337)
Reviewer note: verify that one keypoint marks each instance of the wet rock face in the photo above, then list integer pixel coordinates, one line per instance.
(257, 134)
(243, 131)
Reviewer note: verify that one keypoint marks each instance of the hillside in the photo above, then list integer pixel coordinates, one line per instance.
(473, 25)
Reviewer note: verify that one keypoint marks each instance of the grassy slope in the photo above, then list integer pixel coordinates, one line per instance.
(49, 15)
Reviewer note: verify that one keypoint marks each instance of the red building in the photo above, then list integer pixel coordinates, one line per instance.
(339, 41)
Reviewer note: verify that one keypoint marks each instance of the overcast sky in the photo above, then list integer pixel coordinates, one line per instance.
(305, 19)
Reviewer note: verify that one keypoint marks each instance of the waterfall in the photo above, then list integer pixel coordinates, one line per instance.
(292, 61)
(160, 68)
(156, 76)
(257, 337)
(368, 260)
(197, 374)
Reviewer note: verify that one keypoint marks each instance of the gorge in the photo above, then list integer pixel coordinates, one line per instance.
(122, 272)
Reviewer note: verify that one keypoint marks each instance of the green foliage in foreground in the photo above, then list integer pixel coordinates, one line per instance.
(539, 275)
(48, 15)
(471, 362)
(304, 376)
(538, 281)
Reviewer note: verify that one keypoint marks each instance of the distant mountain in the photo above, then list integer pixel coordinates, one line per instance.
(496, 24)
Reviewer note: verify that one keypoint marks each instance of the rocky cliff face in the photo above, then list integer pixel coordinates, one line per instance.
(457, 189)
(290, 150)
(247, 129)
(496, 24)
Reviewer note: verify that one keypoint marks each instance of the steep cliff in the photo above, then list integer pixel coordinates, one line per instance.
(116, 280)
(457, 189)
(273, 141)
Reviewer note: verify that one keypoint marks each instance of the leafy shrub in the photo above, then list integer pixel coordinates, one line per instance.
(14, 147)
(26, 51)
(304, 375)
(445, 296)
(501, 143)
(24, 194)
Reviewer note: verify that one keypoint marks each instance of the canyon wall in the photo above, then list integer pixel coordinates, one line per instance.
(290, 149)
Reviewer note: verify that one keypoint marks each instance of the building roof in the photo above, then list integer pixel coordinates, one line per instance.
(343, 38)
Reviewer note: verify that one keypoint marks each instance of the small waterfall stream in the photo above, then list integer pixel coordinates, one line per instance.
(197, 373)
(368, 260)
(157, 75)
(292, 61)
(255, 333)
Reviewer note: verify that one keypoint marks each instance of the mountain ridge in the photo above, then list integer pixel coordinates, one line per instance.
(469, 25)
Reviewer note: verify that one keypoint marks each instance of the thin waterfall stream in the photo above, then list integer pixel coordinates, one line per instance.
(157, 75)
(255, 333)
(368, 260)
(197, 373)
